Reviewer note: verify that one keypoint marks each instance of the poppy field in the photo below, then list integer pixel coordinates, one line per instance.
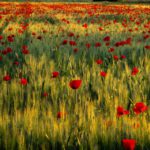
(74, 76)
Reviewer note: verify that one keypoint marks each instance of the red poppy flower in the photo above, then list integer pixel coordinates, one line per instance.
(88, 45)
(85, 25)
(20, 31)
(140, 107)
(33, 33)
(4, 52)
(9, 29)
(75, 84)
(1, 58)
(72, 43)
(128, 144)
(128, 41)
(97, 44)
(86, 34)
(9, 50)
(106, 39)
(64, 42)
(111, 49)
(1, 37)
(123, 57)
(107, 43)
(99, 61)
(103, 74)
(116, 57)
(130, 30)
(146, 36)
(16, 63)
(39, 37)
(92, 21)
(121, 111)
(24, 47)
(147, 47)
(60, 115)
(117, 44)
(71, 34)
(25, 51)
(75, 50)
(10, 38)
(100, 29)
(7, 78)
(135, 71)
(23, 81)
(114, 21)
(78, 21)
(45, 94)
(55, 74)
(2, 43)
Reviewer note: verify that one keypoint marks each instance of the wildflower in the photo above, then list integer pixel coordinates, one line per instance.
(7, 78)
(25, 50)
(99, 61)
(140, 107)
(88, 45)
(16, 63)
(60, 115)
(10, 38)
(147, 47)
(123, 57)
(121, 111)
(9, 50)
(85, 25)
(45, 94)
(106, 39)
(128, 144)
(1, 37)
(23, 81)
(134, 71)
(103, 74)
(111, 49)
(97, 44)
(72, 43)
(55, 74)
(4, 52)
(64, 42)
(75, 50)
(75, 84)
(116, 57)
(39, 37)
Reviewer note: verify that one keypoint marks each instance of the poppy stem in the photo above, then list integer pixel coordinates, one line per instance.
(76, 98)
(7, 90)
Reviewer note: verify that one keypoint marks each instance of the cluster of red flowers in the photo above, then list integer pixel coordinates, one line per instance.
(138, 108)
(23, 81)
(7, 51)
(121, 111)
(122, 43)
(25, 50)
(134, 71)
